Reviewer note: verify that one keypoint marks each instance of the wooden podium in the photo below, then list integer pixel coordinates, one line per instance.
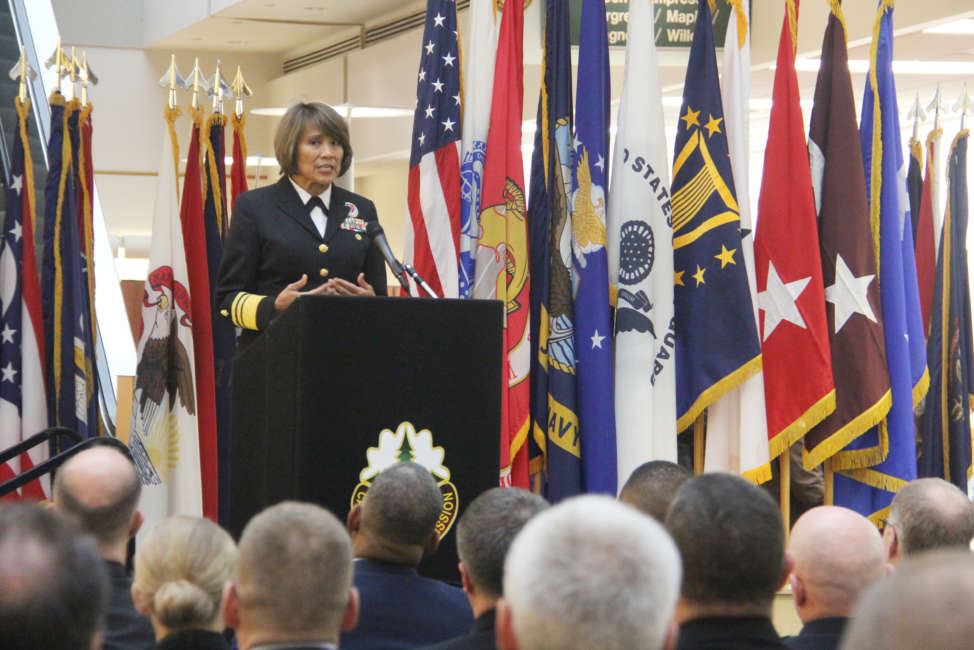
(337, 388)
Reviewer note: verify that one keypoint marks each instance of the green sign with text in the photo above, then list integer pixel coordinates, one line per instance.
(674, 21)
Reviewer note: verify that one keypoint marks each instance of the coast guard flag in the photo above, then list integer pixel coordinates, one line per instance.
(23, 398)
(640, 244)
(502, 251)
(853, 312)
(717, 345)
(433, 195)
(554, 410)
(737, 439)
(798, 387)
(944, 429)
(869, 491)
(164, 440)
(926, 248)
(478, 83)
(593, 321)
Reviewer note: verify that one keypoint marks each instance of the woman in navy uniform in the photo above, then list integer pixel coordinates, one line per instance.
(303, 235)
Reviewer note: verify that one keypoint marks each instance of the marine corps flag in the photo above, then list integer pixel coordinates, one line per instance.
(503, 243)
(944, 428)
(553, 368)
(164, 440)
(869, 491)
(717, 344)
(854, 315)
(798, 387)
(640, 243)
(23, 398)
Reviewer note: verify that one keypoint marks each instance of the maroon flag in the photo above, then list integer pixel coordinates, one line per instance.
(238, 170)
(926, 250)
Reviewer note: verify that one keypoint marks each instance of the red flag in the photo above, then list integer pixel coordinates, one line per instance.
(798, 386)
(194, 242)
(238, 170)
(926, 252)
(503, 243)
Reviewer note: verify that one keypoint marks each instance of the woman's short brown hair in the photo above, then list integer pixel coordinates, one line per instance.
(296, 121)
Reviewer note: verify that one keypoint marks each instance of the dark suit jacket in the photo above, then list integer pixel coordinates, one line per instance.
(729, 633)
(820, 634)
(480, 637)
(125, 627)
(401, 609)
(273, 241)
(193, 640)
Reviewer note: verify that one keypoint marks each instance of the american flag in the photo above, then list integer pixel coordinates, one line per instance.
(434, 163)
(23, 402)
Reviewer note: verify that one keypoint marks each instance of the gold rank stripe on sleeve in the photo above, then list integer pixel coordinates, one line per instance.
(243, 312)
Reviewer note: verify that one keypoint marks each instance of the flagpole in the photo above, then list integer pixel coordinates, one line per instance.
(829, 483)
(784, 490)
(699, 443)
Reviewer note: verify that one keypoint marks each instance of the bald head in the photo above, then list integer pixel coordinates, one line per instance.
(928, 602)
(837, 553)
(926, 514)
(100, 488)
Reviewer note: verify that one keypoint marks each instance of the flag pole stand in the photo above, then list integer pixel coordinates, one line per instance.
(699, 442)
(829, 482)
(784, 489)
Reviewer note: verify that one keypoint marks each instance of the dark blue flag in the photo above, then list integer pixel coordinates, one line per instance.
(717, 344)
(944, 429)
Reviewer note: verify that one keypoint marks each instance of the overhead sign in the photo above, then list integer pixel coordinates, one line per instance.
(673, 19)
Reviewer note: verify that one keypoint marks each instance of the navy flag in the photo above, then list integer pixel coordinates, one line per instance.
(944, 428)
(717, 344)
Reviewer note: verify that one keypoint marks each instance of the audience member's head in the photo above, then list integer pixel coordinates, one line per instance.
(181, 569)
(53, 585)
(293, 580)
(589, 573)
(928, 602)
(926, 514)
(732, 540)
(837, 553)
(485, 532)
(100, 488)
(396, 521)
(652, 486)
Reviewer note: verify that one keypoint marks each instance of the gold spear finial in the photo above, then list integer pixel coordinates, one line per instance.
(87, 76)
(198, 83)
(22, 71)
(72, 74)
(240, 90)
(56, 61)
(172, 80)
(219, 88)
(964, 105)
(917, 115)
(938, 106)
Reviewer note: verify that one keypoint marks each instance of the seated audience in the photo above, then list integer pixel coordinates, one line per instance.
(837, 553)
(53, 585)
(100, 488)
(652, 486)
(928, 602)
(589, 573)
(392, 530)
(292, 588)
(181, 569)
(928, 513)
(484, 533)
(732, 542)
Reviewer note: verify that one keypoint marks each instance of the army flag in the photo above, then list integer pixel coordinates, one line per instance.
(640, 245)
(23, 397)
(944, 428)
(925, 244)
(502, 251)
(238, 168)
(870, 490)
(853, 312)
(593, 321)
(553, 411)
(433, 195)
(737, 441)
(717, 344)
(478, 83)
(164, 439)
(798, 387)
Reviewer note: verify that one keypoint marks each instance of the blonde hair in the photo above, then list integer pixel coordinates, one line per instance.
(181, 569)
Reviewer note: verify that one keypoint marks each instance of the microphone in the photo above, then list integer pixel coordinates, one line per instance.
(378, 237)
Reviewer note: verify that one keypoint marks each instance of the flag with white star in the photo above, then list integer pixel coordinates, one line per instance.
(869, 490)
(717, 345)
(853, 314)
(798, 387)
(23, 398)
(593, 320)
(433, 196)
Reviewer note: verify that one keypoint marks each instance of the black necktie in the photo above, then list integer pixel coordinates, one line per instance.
(316, 201)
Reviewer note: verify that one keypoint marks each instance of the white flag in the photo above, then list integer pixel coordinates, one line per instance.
(737, 425)
(640, 245)
(164, 437)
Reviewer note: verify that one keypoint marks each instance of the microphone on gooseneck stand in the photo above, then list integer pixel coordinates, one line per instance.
(378, 237)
